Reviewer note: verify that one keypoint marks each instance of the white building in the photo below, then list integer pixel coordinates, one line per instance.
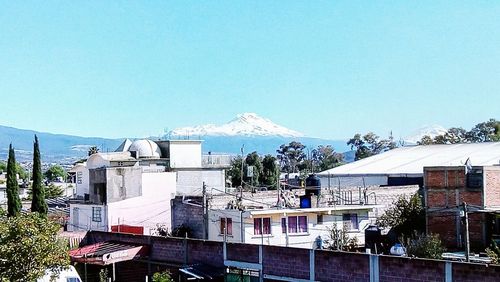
(298, 227)
(130, 189)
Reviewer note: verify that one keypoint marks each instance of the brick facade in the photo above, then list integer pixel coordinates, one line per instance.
(289, 264)
(446, 188)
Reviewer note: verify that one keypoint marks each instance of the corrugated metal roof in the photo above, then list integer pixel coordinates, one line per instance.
(412, 159)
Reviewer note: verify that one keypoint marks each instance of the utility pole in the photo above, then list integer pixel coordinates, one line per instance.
(466, 235)
(242, 161)
(205, 211)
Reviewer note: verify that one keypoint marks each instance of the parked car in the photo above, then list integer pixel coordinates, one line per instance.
(68, 274)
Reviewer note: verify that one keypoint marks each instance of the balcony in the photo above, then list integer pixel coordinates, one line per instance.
(216, 161)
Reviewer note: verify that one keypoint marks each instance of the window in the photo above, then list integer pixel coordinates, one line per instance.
(226, 223)
(296, 224)
(96, 214)
(350, 221)
(319, 219)
(262, 226)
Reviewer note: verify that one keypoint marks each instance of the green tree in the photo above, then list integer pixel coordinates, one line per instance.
(370, 144)
(28, 246)
(426, 140)
(234, 172)
(291, 156)
(485, 132)
(19, 170)
(325, 157)
(38, 203)
(13, 201)
(54, 172)
(406, 216)
(270, 173)
(253, 159)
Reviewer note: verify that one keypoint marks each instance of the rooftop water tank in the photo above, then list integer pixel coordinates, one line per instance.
(313, 185)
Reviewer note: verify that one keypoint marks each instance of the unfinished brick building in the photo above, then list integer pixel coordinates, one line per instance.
(447, 187)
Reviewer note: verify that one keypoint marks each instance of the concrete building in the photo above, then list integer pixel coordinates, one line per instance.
(446, 188)
(405, 165)
(293, 227)
(130, 189)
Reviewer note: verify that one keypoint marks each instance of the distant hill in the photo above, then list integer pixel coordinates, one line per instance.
(254, 132)
(53, 147)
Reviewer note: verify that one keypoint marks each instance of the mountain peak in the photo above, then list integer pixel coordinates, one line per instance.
(430, 130)
(245, 124)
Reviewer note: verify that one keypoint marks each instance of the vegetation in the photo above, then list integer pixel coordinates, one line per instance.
(425, 246)
(28, 246)
(19, 170)
(370, 144)
(269, 176)
(162, 277)
(404, 217)
(38, 203)
(291, 156)
(493, 253)
(339, 240)
(55, 172)
(234, 172)
(51, 191)
(253, 159)
(482, 132)
(13, 201)
(93, 150)
(180, 231)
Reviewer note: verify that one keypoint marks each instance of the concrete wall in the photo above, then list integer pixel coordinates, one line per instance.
(185, 154)
(81, 218)
(331, 181)
(190, 182)
(82, 180)
(277, 237)
(292, 264)
(150, 209)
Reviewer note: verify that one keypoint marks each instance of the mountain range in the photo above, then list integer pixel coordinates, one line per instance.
(247, 130)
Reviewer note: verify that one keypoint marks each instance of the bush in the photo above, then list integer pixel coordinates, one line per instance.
(339, 240)
(425, 246)
(493, 252)
(162, 277)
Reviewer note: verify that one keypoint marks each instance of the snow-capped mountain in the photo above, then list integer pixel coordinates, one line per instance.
(432, 131)
(246, 124)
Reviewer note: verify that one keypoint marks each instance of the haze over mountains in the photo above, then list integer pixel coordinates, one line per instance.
(247, 130)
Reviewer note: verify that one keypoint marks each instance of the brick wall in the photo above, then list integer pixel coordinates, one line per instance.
(340, 266)
(189, 215)
(492, 186)
(295, 265)
(289, 263)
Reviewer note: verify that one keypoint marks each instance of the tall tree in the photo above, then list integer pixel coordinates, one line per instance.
(234, 172)
(253, 159)
(38, 203)
(290, 156)
(325, 157)
(270, 172)
(55, 172)
(13, 201)
(370, 144)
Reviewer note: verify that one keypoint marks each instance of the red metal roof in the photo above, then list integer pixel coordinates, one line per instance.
(104, 253)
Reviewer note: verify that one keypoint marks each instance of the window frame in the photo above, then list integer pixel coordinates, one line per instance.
(294, 228)
(226, 222)
(96, 214)
(262, 231)
(351, 220)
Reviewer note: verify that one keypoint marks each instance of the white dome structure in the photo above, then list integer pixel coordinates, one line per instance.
(145, 149)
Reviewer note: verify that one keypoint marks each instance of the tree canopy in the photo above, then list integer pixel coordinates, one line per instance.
(29, 246)
(370, 144)
(482, 132)
(54, 172)
(405, 216)
(38, 203)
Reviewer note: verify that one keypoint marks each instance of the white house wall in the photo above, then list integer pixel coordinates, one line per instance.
(190, 182)
(277, 237)
(81, 218)
(82, 181)
(150, 209)
(185, 154)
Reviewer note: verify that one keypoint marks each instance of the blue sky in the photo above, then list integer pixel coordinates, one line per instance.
(325, 68)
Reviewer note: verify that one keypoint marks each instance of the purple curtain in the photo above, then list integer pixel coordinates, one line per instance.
(292, 224)
(283, 225)
(257, 226)
(229, 228)
(266, 223)
(302, 223)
